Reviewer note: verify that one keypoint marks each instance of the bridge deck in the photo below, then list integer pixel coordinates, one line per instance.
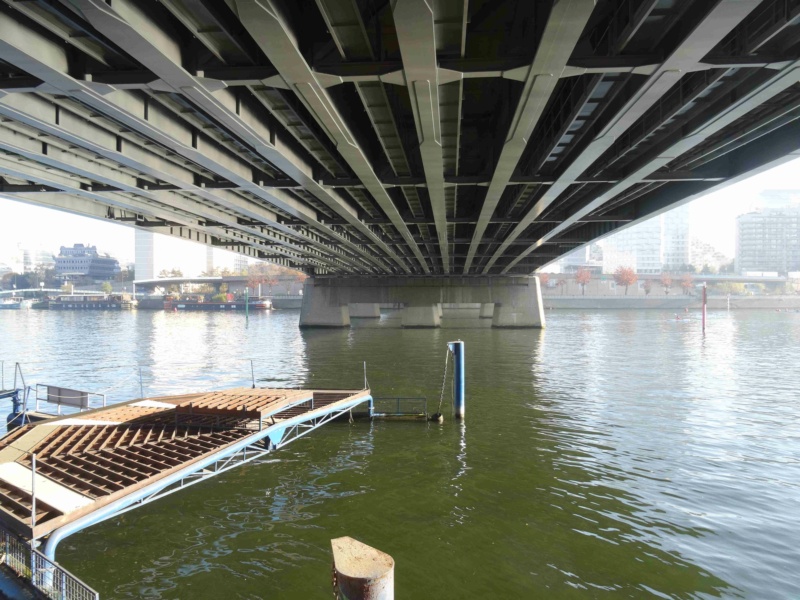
(102, 457)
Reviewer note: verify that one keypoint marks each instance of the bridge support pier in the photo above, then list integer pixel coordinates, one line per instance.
(422, 316)
(364, 310)
(508, 301)
(323, 308)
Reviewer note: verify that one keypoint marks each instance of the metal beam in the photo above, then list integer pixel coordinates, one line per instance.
(145, 163)
(48, 62)
(265, 24)
(726, 15)
(169, 206)
(562, 32)
(782, 81)
(414, 22)
(140, 39)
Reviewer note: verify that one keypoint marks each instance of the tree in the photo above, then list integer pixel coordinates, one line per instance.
(544, 279)
(687, 283)
(666, 283)
(171, 273)
(562, 283)
(729, 287)
(270, 280)
(18, 281)
(625, 276)
(582, 277)
(709, 269)
(255, 276)
(106, 287)
(648, 286)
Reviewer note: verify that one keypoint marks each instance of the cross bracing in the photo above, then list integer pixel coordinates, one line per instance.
(402, 137)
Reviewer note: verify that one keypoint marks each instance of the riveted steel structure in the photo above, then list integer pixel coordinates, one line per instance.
(392, 137)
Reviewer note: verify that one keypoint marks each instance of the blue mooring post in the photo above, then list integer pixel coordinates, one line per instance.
(457, 348)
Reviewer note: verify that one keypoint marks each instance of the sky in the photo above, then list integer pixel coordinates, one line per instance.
(712, 219)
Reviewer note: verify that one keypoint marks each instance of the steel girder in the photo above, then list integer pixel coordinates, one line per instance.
(267, 27)
(564, 27)
(48, 62)
(783, 80)
(139, 35)
(72, 133)
(249, 142)
(726, 15)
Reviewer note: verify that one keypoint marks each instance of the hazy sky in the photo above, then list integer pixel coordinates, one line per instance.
(712, 219)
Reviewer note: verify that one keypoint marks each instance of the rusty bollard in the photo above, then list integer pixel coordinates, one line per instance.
(361, 572)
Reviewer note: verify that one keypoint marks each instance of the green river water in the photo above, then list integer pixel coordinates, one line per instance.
(615, 454)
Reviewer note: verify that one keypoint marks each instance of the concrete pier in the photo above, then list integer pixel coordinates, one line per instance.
(324, 310)
(508, 301)
(360, 310)
(422, 316)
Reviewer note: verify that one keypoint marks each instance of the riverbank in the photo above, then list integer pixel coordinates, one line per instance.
(670, 302)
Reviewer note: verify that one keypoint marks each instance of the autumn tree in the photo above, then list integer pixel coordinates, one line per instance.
(687, 283)
(256, 275)
(625, 276)
(544, 279)
(666, 283)
(270, 280)
(582, 277)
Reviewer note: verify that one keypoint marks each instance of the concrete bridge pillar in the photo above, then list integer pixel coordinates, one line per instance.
(422, 316)
(322, 307)
(508, 301)
(364, 310)
(521, 311)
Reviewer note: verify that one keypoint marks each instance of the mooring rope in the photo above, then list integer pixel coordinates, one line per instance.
(444, 381)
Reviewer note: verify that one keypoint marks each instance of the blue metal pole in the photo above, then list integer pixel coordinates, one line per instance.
(457, 348)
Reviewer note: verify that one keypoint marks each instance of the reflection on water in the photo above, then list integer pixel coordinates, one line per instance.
(614, 452)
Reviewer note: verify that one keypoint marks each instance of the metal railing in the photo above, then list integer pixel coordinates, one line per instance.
(400, 407)
(48, 577)
(60, 396)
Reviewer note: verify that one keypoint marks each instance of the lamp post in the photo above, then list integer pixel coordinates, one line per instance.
(41, 288)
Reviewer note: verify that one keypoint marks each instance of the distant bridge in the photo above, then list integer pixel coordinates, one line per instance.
(32, 291)
(479, 137)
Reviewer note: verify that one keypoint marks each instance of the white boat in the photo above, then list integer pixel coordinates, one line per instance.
(14, 303)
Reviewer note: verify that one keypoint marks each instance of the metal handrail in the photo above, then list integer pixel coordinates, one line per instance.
(47, 576)
(47, 396)
(399, 401)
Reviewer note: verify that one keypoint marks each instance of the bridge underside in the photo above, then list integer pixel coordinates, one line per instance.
(404, 138)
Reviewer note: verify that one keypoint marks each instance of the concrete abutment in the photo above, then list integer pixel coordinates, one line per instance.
(508, 301)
